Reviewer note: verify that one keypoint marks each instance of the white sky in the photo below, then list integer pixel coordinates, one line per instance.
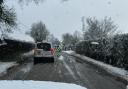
(66, 17)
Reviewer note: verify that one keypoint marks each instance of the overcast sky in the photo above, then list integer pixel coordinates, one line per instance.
(66, 17)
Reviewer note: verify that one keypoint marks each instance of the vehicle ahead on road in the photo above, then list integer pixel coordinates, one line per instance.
(43, 52)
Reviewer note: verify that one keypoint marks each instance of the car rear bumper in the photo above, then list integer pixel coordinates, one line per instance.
(43, 59)
(44, 56)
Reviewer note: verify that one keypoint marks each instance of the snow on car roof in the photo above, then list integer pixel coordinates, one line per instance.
(37, 85)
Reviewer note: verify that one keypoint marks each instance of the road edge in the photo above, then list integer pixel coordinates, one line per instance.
(5, 72)
(121, 78)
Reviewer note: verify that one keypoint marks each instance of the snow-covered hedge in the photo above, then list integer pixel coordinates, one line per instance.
(113, 51)
(14, 48)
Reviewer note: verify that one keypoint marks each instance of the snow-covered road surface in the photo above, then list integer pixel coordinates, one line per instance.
(67, 66)
(67, 69)
(5, 65)
(119, 72)
(69, 52)
(37, 85)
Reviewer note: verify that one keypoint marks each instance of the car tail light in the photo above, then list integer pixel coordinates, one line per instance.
(34, 50)
(52, 50)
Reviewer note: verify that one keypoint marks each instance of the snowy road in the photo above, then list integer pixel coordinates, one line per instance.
(68, 69)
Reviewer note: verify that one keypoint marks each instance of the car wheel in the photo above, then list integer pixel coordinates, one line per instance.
(52, 60)
(35, 61)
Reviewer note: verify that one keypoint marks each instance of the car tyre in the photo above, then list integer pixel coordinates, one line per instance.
(35, 61)
(52, 60)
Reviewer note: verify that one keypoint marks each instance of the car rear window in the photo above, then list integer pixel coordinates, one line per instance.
(44, 46)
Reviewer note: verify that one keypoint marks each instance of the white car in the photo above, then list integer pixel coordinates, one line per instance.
(43, 52)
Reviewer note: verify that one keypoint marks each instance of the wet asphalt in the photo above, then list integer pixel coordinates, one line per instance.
(67, 69)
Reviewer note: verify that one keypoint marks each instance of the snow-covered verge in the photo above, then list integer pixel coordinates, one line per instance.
(61, 58)
(20, 37)
(4, 66)
(37, 85)
(69, 52)
(28, 54)
(118, 72)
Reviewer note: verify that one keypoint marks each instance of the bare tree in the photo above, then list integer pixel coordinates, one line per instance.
(71, 39)
(28, 1)
(99, 29)
(53, 40)
(39, 32)
(76, 37)
(67, 38)
(36, 1)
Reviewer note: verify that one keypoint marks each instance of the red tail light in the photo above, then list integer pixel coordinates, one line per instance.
(52, 50)
(34, 50)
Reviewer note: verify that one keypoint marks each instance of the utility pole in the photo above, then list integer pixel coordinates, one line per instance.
(83, 23)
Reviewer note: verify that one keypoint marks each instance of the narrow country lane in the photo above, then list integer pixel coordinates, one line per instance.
(67, 69)
(73, 70)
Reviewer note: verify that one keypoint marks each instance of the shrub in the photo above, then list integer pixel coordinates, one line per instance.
(113, 51)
